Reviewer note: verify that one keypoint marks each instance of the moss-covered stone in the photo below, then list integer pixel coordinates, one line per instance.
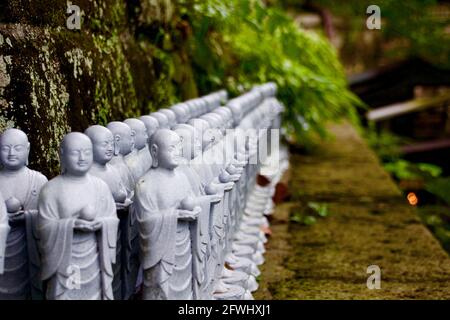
(369, 224)
(54, 80)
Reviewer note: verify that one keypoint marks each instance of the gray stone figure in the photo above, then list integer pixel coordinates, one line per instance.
(191, 148)
(171, 116)
(123, 145)
(140, 159)
(164, 211)
(77, 227)
(20, 188)
(103, 151)
(4, 230)
(163, 121)
(151, 124)
(181, 111)
(128, 226)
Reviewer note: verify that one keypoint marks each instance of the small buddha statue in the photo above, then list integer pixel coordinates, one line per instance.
(20, 187)
(77, 227)
(140, 159)
(164, 215)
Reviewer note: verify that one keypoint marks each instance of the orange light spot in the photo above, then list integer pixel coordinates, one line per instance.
(412, 199)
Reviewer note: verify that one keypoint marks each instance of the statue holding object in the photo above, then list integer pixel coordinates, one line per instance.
(20, 187)
(77, 227)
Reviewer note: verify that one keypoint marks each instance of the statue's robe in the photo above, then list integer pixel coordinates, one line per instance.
(128, 228)
(118, 162)
(137, 163)
(77, 265)
(145, 158)
(208, 170)
(165, 241)
(201, 247)
(111, 177)
(20, 279)
(4, 230)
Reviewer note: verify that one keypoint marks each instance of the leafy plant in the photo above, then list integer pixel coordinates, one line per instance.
(320, 208)
(440, 188)
(309, 214)
(405, 170)
(238, 43)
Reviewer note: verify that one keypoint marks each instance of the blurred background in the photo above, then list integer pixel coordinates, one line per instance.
(402, 73)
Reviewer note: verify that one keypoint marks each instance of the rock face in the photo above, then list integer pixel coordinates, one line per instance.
(54, 80)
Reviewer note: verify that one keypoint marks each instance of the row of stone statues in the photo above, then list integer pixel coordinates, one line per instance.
(162, 204)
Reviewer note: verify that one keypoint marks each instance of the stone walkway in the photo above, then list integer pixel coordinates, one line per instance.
(370, 223)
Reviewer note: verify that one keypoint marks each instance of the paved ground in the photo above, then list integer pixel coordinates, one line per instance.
(370, 223)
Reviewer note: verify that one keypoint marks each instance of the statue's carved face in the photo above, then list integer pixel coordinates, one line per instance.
(169, 152)
(14, 151)
(103, 148)
(127, 142)
(141, 137)
(77, 156)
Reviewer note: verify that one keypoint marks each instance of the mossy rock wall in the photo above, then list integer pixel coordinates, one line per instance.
(54, 80)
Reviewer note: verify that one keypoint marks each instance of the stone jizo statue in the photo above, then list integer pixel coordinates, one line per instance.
(140, 159)
(151, 124)
(103, 151)
(20, 187)
(77, 227)
(163, 121)
(123, 146)
(165, 210)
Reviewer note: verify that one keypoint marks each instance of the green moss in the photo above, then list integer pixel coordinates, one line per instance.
(369, 224)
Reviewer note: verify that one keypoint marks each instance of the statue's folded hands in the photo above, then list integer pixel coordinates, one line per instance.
(87, 226)
(189, 215)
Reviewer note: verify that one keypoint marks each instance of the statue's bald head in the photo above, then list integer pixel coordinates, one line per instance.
(191, 140)
(102, 143)
(171, 116)
(123, 136)
(165, 148)
(151, 125)
(76, 154)
(140, 132)
(163, 121)
(14, 149)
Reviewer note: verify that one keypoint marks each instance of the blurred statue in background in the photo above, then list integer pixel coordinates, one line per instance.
(20, 188)
(140, 159)
(124, 138)
(103, 151)
(77, 227)
(123, 145)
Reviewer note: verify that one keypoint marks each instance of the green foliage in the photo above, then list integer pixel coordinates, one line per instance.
(308, 215)
(320, 208)
(405, 170)
(238, 43)
(440, 188)
(410, 22)
(385, 144)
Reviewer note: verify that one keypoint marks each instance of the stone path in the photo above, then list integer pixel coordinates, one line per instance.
(370, 223)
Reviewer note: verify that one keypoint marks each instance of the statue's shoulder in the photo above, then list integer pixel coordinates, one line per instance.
(145, 181)
(98, 183)
(51, 188)
(40, 178)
